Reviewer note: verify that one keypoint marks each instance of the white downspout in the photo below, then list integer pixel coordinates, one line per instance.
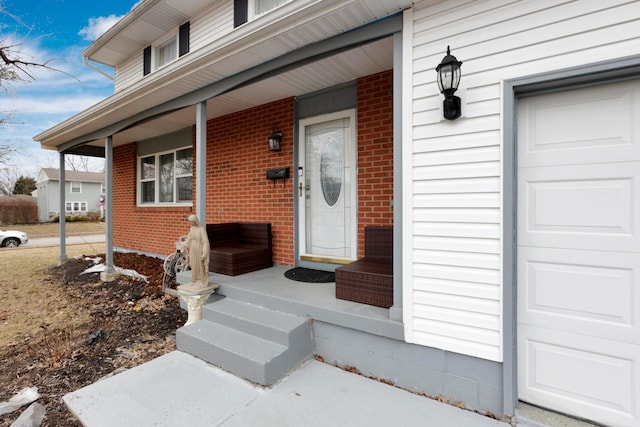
(90, 65)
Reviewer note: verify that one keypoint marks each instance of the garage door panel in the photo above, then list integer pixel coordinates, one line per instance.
(578, 252)
(578, 291)
(587, 125)
(580, 207)
(584, 376)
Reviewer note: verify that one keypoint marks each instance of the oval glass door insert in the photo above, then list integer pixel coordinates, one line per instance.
(331, 165)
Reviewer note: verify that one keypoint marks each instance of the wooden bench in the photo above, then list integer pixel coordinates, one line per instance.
(239, 247)
(370, 279)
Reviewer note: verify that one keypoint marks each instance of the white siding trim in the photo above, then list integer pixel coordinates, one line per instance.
(502, 207)
(407, 176)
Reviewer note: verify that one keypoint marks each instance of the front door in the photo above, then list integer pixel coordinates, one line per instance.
(327, 188)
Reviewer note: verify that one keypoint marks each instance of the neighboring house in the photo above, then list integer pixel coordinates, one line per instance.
(84, 193)
(516, 245)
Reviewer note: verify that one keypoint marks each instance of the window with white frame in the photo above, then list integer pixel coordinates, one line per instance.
(247, 10)
(165, 178)
(258, 7)
(166, 52)
(76, 187)
(76, 207)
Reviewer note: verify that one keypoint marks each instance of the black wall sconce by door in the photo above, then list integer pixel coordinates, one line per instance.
(275, 138)
(448, 80)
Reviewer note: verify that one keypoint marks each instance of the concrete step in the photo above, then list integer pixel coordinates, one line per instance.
(281, 328)
(250, 341)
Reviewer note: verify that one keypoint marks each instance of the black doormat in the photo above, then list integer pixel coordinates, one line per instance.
(301, 274)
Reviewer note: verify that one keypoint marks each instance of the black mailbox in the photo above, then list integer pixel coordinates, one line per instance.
(281, 173)
(276, 174)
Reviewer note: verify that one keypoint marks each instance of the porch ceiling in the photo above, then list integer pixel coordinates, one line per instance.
(340, 68)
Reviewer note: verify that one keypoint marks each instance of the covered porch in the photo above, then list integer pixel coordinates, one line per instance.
(216, 110)
(311, 70)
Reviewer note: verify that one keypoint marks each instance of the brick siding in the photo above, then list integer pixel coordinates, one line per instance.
(237, 189)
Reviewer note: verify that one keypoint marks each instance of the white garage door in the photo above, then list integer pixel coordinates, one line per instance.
(579, 252)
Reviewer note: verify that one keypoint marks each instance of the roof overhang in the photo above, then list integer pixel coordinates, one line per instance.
(231, 76)
(147, 21)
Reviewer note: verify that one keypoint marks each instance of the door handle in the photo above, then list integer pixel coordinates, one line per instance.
(300, 189)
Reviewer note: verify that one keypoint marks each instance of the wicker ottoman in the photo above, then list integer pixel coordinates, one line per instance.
(370, 279)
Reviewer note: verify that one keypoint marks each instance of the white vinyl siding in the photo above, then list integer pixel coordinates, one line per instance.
(452, 200)
(212, 24)
(205, 28)
(128, 73)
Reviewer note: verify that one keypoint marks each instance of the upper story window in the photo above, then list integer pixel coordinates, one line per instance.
(262, 6)
(158, 55)
(165, 178)
(76, 187)
(166, 52)
(246, 10)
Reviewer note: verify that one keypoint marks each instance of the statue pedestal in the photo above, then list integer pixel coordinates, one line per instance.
(195, 300)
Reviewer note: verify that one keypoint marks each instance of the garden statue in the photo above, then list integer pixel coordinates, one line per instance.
(196, 249)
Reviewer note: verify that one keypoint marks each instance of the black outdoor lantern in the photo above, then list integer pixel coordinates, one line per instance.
(275, 138)
(448, 80)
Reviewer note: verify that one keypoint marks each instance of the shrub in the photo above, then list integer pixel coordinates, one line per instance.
(18, 210)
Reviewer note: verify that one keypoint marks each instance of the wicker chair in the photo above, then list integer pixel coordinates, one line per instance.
(370, 279)
(239, 247)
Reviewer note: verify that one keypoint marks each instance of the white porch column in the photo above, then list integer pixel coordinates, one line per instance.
(63, 212)
(395, 311)
(201, 162)
(109, 272)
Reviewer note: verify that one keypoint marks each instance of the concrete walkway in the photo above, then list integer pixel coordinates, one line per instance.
(180, 390)
(70, 240)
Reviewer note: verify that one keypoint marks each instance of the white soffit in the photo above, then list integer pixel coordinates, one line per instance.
(344, 67)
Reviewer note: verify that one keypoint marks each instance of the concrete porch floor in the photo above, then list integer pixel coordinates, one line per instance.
(269, 288)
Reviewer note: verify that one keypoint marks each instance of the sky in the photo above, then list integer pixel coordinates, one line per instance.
(53, 32)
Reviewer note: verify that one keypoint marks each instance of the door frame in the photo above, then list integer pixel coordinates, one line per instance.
(627, 68)
(300, 230)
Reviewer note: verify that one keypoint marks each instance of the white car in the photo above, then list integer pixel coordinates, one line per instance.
(12, 238)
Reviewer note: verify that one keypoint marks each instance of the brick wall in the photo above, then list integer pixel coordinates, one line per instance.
(238, 158)
(152, 230)
(375, 152)
(237, 189)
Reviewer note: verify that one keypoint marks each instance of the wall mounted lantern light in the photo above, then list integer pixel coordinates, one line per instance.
(275, 138)
(448, 80)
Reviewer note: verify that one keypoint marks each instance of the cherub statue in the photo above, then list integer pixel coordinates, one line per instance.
(196, 249)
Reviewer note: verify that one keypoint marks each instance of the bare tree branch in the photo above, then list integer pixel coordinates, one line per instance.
(13, 65)
(5, 153)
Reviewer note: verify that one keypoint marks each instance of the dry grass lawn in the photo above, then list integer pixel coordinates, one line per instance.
(61, 330)
(27, 299)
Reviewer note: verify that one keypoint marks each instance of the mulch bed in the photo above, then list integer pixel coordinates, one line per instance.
(131, 322)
